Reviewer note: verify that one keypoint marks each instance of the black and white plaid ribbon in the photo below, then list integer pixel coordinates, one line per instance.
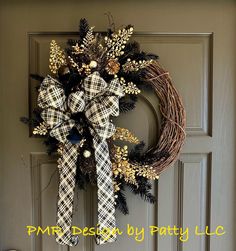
(99, 100)
(102, 102)
(52, 100)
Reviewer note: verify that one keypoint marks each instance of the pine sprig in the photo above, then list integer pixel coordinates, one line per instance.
(136, 154)
(72, 42)
(131, 48)
(81, 179)
(126, 106)
(35, 120)
(37, 77)
(121, 202)
(51, 144)
(83, 28)
(143, 190)
(127, 103)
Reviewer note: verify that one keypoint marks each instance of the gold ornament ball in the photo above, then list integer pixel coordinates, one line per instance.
(93, 64)
(86, 153)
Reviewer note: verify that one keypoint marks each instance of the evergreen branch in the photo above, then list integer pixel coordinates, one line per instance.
(81, 179)
(83, 28)
(136, 154)
(72, 42)
(127, 103)
(143, 190)
(121, 203)
(126, 106)
(37, 77)
(51, 144)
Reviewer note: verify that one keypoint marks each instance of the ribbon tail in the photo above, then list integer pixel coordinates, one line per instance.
(106, 199)
(67, 172)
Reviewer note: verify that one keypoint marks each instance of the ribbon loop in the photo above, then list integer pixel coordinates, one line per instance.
(96, 113)
(115, 88)
(94, 85)
(51, 94)
(60, 132)
(76, 102)
(54, 117)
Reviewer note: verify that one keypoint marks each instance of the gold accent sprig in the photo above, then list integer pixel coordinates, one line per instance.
(147, 172)
(77, 49)
(125, 135)
(57, 57)
(117, 42)
(88, 39)
(122, 168)
(135, 66)
(116, 186)
(41, 129)
(130, 87)
(84, 68)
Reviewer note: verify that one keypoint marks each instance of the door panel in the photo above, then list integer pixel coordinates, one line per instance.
(196, 44)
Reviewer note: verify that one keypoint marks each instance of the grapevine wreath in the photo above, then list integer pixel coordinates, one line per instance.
(97, 77)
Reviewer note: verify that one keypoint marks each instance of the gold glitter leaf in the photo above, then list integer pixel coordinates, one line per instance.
(130, 87)
(89, 38)
(136, 66)
(122, 168)
(116, 44)
(125, 135)
(41, 129)
(77, 49)
(57, 57)
(147, 172)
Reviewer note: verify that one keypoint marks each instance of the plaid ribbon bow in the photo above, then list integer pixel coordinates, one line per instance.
(99, 101)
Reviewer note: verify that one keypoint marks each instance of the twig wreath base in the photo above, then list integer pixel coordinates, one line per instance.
(172, 135)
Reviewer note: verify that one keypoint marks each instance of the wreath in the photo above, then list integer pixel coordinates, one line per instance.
(96, 77)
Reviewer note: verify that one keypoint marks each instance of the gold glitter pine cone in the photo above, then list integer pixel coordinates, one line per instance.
(112, 67)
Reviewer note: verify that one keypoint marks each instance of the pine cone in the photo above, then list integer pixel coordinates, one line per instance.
(112, 67)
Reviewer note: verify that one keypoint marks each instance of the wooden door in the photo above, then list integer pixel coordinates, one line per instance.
(196, 43)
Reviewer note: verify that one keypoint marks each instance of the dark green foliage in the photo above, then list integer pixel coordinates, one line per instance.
(143, 190)
(34, 121)
(136, 154)
(25, 120)
(83, 28)
(144, 187)
(37, 77)
(126, 106)
(72, 42)
(130, 49)
(121, 202)
(51, 144)
(72, 83)
(127, 103)
(81, 179)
